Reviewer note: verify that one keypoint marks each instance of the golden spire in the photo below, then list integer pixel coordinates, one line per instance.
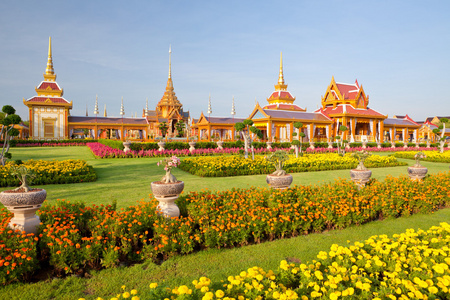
(281, 77)
(169, 80)
(49, 74)
(170, 63)
(281, 86)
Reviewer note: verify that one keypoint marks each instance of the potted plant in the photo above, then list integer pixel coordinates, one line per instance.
(418, 172)
(23, 201)
(278, 179)
(167, 190)
(126, 146)
(361, 175)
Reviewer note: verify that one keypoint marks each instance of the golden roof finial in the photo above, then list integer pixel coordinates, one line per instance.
(49, 74)
(281, 77)
(49, 70)
(170, 63)
(281, 86)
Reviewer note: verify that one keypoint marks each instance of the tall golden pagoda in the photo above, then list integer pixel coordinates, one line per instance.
(169, 102)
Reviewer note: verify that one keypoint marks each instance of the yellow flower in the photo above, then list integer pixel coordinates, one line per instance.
(153, 285)
(220, 294)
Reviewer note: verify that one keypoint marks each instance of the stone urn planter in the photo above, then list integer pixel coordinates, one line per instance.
(279, 182)
(378, 145)
(364, 145)
(361, 175)
(161, 146)
(191, 146)
(23, 201)
(220, 145)
(279, 179)
(166, 194)
(269, 145)
(126, 146)
(417, 171)
(24, 206)
(168, 189)
(330, 145)
(311, 145)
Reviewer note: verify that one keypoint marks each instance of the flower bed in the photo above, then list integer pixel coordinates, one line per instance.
(411, 265)
(102, 151)
(51, 172)
(434, 156)
(237, 166)
(51, 143)
(73, 237)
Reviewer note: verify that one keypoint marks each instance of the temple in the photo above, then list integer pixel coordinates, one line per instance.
(342, 104)
(50, 119)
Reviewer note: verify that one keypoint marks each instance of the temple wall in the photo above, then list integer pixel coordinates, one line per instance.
(48, 123)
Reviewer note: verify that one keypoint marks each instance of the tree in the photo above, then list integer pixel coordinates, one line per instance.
(441, 129)
(299, 141)
(163, 127)
(340, 139)
(9, 120)
(180, 128)
(245, 128)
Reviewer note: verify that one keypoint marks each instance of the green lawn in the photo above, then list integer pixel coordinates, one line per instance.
(128, 180)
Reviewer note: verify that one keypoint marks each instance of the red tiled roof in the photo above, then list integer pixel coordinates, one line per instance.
(350, 110)
(298, 115)
(44, 99)
(225, 120)
(108, 120)
(45, 84)
(281, 94)
(283, 106)
(348, 90)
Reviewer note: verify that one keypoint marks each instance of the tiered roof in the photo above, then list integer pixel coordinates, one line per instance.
(169, 100)
(48, 92)
(281, 96)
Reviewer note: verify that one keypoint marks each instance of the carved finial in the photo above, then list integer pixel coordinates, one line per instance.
(170, 62)
(146, 108)
(122, 110)
(209, 105)
(233, 109)
(104, 113)
(96, 105)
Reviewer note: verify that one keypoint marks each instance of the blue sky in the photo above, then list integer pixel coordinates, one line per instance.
(398, 50)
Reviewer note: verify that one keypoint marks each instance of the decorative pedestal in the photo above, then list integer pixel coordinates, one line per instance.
(126, 146)
(161, 146)
(220, 145)
(392, 145)
(428, 144)
(417, 145)
(166, 194)
(191, 146)
(378, 145)
(360, 177)
(364, 145)
(417, 173)
(269, 145)
(24, 207)
(330, 145)
(311, 145)
(279, 182)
